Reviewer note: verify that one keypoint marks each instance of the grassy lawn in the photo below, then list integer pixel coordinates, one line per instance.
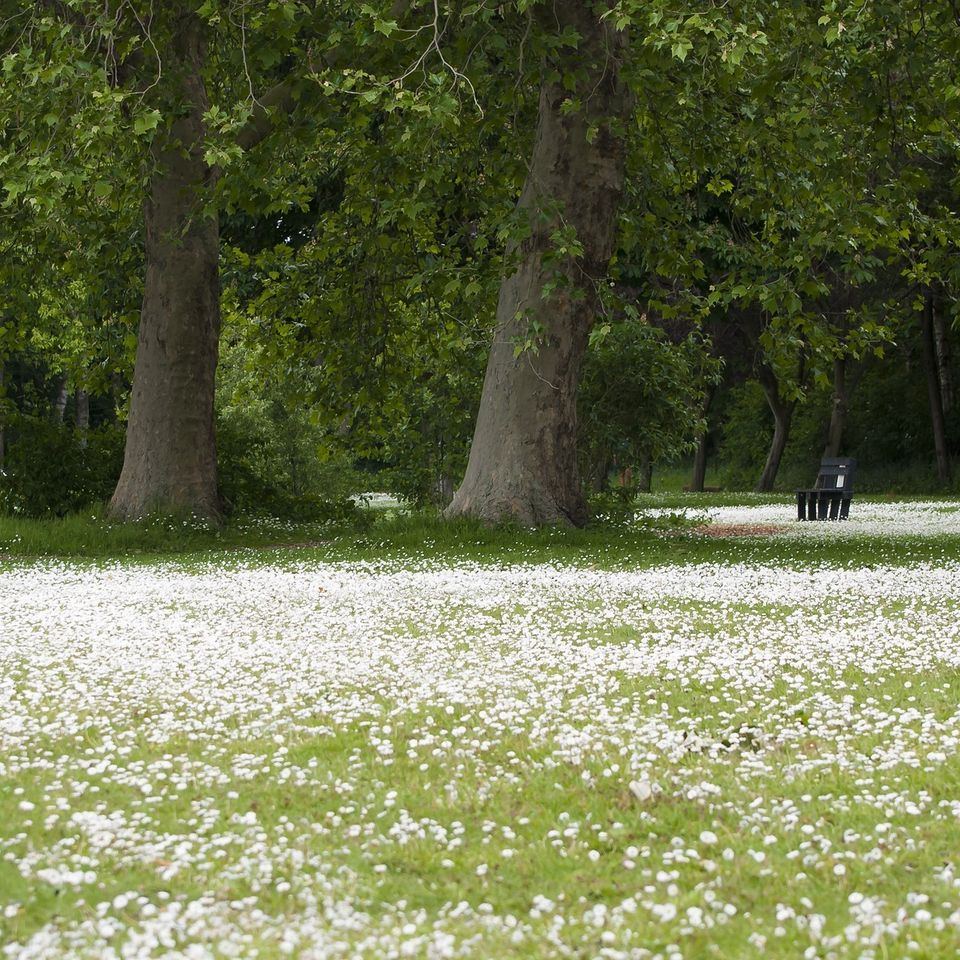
(639, 740)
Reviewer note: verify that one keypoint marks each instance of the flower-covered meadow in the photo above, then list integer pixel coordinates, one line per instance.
(289, 755)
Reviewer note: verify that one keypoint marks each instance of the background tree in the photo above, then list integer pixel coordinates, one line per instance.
(640, 397)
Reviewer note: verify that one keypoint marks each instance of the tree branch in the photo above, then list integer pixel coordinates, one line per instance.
(277, 101)
(67, 14)
(282, 98)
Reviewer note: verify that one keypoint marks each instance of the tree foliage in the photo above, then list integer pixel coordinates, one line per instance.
(790, 170)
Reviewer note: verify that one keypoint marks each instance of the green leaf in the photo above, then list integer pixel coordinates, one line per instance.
(145, 122)
(719, 186)
(102, 188)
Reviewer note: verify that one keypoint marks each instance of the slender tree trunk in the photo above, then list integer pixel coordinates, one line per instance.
(934, 393)
(601, 474)
(170, 459)
(82, 400)
(523, 460)
(838, 411)
(941, 344)
(782, 417)
(699, 477)
(645, 474)
(60, 403)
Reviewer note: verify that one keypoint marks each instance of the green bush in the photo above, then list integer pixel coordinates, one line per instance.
(49, 471)
(272, 454)
(889, 415)
(640, 397)
(746, 434)
(268, 468)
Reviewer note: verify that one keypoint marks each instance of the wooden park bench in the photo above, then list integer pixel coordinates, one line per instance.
(831, 494)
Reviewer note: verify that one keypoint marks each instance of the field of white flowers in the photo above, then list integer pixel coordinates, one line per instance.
(416, 759)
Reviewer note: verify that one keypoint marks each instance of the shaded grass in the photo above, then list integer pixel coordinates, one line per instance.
(654, 542)
(625, 539)
(91, 534)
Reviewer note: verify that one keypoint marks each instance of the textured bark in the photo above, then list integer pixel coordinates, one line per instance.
(60, 403)
(645, 474)
(523, 460)
(782, 417)
(82, 400)
(941, 344)
(699, 477)
(838, 410)
(170, 456)
(934, 394)
(600, 475)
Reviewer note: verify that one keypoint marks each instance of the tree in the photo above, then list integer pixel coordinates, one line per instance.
(641, 395)
(523, 459)
(178, 92)
(170, 457)
(934, 387)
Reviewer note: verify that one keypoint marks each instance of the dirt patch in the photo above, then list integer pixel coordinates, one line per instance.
(738, 529)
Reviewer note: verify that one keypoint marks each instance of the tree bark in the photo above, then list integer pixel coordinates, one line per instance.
(782, 416)
(170, 462)
(934, 393)
(645, 474)
(600, 474)
(699, 477)
(838, 411)
(82, 400)
(60, 403)
(523, 460)
(941, 344)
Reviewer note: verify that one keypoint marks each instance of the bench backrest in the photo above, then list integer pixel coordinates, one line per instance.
(836, 473)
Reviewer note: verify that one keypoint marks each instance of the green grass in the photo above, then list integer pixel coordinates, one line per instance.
(773, 765)
(426, 876)
(380, 536)
(92, 534)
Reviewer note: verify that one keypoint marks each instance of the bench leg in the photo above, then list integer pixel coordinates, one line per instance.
(811, 504)
(834, 506)
(823, 505)
(845, 508)
(801, 505)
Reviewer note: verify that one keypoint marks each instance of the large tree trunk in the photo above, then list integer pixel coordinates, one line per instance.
(170, 462)
(782, 416)
(523, 460)
(934, 393)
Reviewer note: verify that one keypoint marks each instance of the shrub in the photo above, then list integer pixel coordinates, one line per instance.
(49, 471)
(746, 434)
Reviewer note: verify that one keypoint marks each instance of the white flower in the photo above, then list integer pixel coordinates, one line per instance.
(641, 789)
